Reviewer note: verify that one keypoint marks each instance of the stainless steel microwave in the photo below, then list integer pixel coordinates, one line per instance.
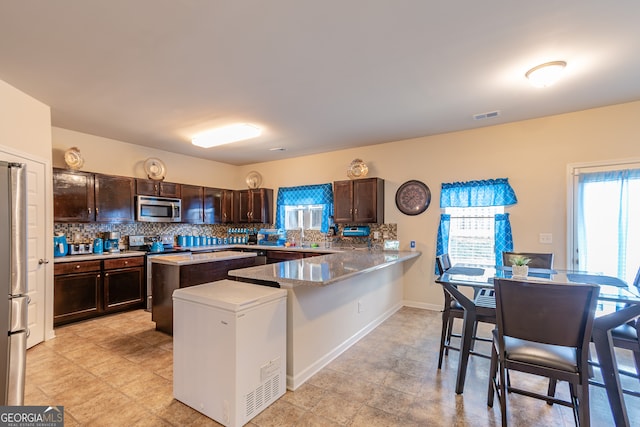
(158, 209)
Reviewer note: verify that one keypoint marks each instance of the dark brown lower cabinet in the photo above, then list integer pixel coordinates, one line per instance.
(123, 279)
(87, 289)
(76, 291)
(167, 278)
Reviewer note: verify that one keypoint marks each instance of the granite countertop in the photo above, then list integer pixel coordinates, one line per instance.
(188, 259)
(323, 270)
(319, 249)
(91, 257)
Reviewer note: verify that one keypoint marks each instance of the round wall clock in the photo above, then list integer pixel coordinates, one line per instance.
(413, 197)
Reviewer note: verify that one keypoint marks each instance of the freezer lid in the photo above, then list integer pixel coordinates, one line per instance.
(229, 295)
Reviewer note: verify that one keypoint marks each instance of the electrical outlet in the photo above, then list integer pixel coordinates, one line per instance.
(360, 307)
(546, 238)
(376, 235)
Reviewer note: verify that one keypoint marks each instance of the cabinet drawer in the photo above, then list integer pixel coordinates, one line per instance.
(135, 261)
(76, 267)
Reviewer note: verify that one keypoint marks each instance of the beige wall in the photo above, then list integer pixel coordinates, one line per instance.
(25, 123)
(113, 157)
(533, 154)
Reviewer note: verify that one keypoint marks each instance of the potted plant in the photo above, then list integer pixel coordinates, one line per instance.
(519, 266)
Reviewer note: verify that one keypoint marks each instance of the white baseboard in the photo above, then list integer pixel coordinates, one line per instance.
(314, 368)
(425, 306)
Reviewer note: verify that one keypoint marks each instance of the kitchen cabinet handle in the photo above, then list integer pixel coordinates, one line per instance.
(98, 276)
(356, 211)
(155, 187)
(43, 261)
(78, 267)
(126, 263)
(105, 275)
(89, 211)
(350, 211)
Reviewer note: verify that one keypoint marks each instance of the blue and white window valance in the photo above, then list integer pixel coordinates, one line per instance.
(317, 194)
(488, 192)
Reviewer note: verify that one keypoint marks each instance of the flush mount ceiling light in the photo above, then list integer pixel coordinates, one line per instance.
(226, 135)
(545, 74)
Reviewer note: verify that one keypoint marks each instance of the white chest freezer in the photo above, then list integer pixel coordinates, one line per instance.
(229, 349)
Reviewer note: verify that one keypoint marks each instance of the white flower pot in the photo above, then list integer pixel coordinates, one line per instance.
(519, 271)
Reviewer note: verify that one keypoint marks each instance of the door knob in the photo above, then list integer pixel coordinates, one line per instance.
(43, 261)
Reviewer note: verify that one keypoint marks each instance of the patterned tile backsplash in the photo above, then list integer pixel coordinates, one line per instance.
(86, 232)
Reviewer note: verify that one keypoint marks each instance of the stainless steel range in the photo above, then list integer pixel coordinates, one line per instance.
(145, 243)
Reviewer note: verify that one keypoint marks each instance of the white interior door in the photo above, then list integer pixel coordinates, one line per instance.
(37, 261)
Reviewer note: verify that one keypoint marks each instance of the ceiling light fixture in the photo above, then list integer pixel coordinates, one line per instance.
(226, 135)
(545, 74)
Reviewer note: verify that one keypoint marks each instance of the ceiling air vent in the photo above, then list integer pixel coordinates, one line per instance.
(489, 115)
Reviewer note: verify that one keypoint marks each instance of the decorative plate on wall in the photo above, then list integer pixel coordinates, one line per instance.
(73, 158)
(357, 169)
(413, 197)
(155, 169)
(254, 179)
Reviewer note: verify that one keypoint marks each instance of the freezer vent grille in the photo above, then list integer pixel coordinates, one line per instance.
(262, 396)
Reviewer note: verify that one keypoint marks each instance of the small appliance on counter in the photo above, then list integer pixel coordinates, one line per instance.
(60, 247)
(272, 237)
(111, 241)
(80, 248)
(98, 247)
(356, 231)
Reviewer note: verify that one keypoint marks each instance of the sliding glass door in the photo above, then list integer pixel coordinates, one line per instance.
(606, 219)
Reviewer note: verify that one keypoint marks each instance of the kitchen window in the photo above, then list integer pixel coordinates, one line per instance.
(308, 217)
(307, 206)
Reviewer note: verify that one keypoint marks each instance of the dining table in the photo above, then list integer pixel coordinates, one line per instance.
(617, 304)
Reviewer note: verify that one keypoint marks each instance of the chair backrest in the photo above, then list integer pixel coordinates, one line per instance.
(538, 260)
(636, 281)
(443, 262)
(550, 313)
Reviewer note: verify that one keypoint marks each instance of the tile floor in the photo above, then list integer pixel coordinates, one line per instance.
(117, 371)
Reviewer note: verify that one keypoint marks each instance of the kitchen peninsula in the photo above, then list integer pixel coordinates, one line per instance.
(332, 301)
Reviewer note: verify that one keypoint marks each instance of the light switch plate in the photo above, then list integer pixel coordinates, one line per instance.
(546, 238)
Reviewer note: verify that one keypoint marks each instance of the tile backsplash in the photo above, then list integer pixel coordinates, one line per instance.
(86, 232)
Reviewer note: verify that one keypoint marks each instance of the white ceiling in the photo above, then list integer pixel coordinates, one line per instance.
(316, 75)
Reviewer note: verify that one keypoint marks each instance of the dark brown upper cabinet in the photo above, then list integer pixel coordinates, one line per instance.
(218, 206)
(359, 201)
(254, 205)
(87, 197)
(73, 196)
(114, 198)
(192, 204)
(149, 187)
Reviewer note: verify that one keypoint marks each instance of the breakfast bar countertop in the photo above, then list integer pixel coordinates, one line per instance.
(323, 270)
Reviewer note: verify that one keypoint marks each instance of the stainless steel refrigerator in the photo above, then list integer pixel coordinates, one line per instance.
(13, 282)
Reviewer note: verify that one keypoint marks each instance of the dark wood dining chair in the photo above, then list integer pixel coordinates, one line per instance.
(538, 260)
(627, 336)
(453, 310)
(527, 339)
